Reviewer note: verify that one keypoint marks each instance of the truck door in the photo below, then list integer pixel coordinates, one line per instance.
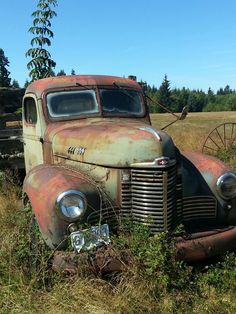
(32, 133)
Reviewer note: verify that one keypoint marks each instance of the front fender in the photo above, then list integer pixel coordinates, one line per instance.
(42, 186)
(201, 173)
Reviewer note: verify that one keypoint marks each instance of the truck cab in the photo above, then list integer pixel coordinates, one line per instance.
(93, 158)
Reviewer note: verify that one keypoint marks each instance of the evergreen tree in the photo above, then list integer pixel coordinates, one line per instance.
(164, 96)
(61, 72)
(26, 83)
(210, 96)
(73, 72)
(41, 65)
(220, 91)
(227, 90)
(15, 84)
(4, 73)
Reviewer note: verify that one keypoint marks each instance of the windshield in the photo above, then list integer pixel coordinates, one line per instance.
(72, 103)
(121, 102)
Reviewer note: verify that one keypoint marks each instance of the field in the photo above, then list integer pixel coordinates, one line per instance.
(153, 282)
(190, 133)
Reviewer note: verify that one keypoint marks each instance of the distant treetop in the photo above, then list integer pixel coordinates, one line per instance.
(4, 73)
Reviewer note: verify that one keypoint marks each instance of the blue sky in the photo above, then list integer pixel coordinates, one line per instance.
(192, 41)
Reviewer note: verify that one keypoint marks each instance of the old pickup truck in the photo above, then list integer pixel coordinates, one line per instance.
(93, 159)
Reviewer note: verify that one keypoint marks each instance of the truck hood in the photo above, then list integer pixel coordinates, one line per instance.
(112, 143)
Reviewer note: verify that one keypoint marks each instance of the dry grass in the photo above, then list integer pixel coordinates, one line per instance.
(190, 133)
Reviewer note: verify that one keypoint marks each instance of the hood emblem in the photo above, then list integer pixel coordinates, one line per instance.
(164, 161)
(153, 132)
(76, 150)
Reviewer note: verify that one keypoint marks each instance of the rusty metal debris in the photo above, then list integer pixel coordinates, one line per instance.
(102, 261)
(202, 245)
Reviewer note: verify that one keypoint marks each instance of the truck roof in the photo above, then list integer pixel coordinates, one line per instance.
(40, 86)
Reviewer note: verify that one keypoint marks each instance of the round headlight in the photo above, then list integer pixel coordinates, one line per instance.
(226, 185)
(71, 205)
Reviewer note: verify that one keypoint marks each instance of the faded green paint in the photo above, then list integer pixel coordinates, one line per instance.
(111, 143)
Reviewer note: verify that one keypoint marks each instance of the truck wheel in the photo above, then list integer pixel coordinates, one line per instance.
(222, 137)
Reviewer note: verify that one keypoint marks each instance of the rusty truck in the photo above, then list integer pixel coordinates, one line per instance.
(93, 159)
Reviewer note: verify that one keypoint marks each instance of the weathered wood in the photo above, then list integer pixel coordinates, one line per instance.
(10, 99)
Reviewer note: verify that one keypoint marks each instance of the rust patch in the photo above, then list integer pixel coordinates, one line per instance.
(198, 247)
(40, 86)
(205, 163)
(103, 261)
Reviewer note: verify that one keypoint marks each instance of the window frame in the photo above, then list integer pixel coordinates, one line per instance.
(26, 111)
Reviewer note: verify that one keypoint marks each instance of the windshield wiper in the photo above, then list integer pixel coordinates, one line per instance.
(86, 87)
(125, 92)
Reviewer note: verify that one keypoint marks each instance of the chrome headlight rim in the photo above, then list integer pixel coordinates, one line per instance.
(65, 194)
(221, 180)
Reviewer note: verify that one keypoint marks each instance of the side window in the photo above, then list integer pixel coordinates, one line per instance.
(30, 112)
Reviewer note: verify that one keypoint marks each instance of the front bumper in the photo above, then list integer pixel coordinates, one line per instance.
(193, 247)
(202, 245)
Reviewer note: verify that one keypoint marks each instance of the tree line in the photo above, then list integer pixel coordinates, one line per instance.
(224, 99)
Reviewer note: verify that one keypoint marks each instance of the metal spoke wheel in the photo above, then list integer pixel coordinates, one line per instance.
(220, 138)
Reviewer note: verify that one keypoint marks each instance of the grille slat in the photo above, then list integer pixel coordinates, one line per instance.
(153, 197)
(199, 207)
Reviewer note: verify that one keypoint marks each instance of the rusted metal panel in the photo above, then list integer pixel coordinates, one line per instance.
(199, 176)
(41, 86)
(200, 246)
(42, 186)
(202, 172)
(103, 261)
(207, 164)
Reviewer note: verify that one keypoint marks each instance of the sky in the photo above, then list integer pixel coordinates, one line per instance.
(192, 41)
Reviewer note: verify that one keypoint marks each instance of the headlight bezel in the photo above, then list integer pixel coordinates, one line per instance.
(219, 185)
(62, 214)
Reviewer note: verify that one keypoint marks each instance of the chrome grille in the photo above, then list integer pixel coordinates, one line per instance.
(150, 197)
(199, 207)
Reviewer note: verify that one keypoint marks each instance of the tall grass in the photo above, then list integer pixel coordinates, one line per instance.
(152, 281)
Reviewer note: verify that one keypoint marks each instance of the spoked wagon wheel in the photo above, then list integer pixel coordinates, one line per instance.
(220, 138)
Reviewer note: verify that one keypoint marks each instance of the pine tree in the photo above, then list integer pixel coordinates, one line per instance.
(41, 65)
(61, 73)
(164, 96)
(15, 84)
(26, 83)
(4, 73)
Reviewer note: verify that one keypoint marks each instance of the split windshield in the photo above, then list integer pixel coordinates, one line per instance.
(121, 102)
(114, 102)
(72, 103)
